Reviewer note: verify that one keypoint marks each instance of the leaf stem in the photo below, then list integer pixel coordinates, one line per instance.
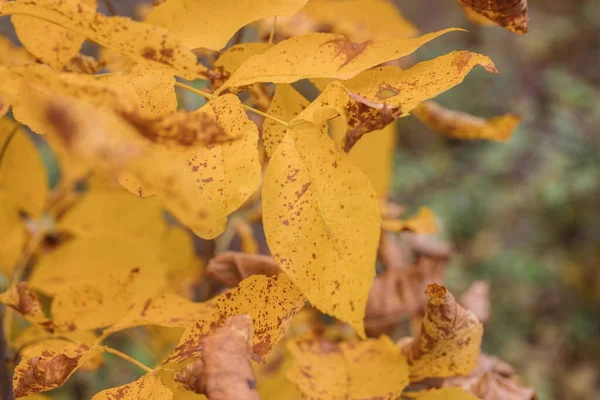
(209, 96)
(128, 358)
(272, 34)
(8, 140)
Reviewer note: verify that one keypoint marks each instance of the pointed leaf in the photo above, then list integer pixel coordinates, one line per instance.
(26, 303)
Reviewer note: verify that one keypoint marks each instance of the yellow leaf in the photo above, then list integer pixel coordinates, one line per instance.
(48, 42)
(314, 195)
(148, 387)
(459, 125)
(272, 302)
(373, 153)
(10, 54)
(185, 270)
(33, 335)
(369, 369)
(26, 303)
(423, 222)
(23, 176)
(449, 341)
(509, 14)
(210, 24)
(321, 55)
(446, 394)
(114, 213)
(12, 235)
(287, 103)
(90, 259)
(271, 377)
(141, 42)
(231, 59)
(44, 369)
(57, 343)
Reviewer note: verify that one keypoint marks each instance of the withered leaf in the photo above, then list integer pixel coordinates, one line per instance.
(449, 341)
(148, 387)
(476, 299)
(423, 223)
(492, 379)
(459, 125)
(510, 14)
(371, 369)
(232, 267)
(141, 42)
(223, 371)
(26, 303)
(42, 369)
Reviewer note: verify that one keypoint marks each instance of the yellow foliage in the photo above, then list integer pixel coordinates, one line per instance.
(446, 394)
(147, 387)
(423, 222)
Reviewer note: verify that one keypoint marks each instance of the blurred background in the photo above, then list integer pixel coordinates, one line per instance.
(523, 215)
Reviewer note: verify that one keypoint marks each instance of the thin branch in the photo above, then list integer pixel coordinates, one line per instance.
(128, 358)
(272, 34)
(210, 96)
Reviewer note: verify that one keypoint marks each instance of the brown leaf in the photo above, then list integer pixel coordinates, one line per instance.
(476, 299)
(83, 64)
(224, 371)
(26, 303)
(232, 267)
(459, 125)
(44, 369)
(510, 14)
(449, 341)
(492, 379)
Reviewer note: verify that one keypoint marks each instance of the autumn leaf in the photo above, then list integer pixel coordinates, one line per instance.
(445, 394)
(26, 303)
(12, 55)
(147, 387)
(42, 369)
(141, 42)
(492, 379)
(209, 24)
(459, 125)
(476, 299)
(12, 234)
(510, 14)
(232, 267)
(313, 194)
(423, 223)
(449, 341)
(321, 55)
(371, 369)
(48, 42)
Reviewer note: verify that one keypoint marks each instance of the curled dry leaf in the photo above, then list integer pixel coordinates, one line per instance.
(218, 20)
(449, 341)
(371, 369)
(422, 223)
(26, 303)
(148, 387)
(272, 302)
(510, 14)
(231, 267)
(322, 55)
(43, 369)
(445, 394)
(223, 371)
(459, 125)
(492, 379)
(141, 42)
(313, 194)
(477, 300)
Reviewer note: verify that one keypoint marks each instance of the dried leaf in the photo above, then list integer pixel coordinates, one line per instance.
(287, 103)
(313, 194)
(48, 42)
(26, 303)
(231, 267)
(148, 387)
(449, 341)
(492, 379)
(272, 302)
(459, 125)
(23, 176)
(210, 24)
(476, 299)
(83, 64)
(321, 55)
(41, 369)
(423, 223)
(445, 394)
(141, 42)
(371, 369)
(224, 371)
(510, 14)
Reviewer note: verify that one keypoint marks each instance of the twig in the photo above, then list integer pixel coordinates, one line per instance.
(210, 96)
(128, 358)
